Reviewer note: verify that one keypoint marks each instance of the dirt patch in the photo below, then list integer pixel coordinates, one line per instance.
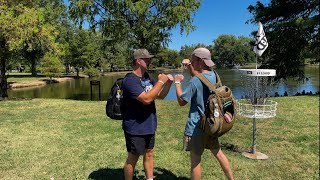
(116, 73)
(57, 80)
(150, 71)
(15, 99)
(38, 83)
(171, 71)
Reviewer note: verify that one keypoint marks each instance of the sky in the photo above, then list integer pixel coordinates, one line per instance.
(214, 18)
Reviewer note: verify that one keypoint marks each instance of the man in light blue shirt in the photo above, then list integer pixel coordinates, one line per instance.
(197, 93)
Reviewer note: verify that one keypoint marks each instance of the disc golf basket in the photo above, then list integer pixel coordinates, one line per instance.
(255, 105)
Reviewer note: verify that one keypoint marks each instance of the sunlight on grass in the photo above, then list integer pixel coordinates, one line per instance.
(67, 139)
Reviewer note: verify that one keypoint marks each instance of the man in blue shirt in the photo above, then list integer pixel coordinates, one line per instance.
(139, 119)
(197, 93)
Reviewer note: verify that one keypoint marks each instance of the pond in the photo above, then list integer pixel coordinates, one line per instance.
(79, 89)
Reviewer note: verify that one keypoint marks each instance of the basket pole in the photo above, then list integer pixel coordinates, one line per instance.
(254, 154)
(254, 137)
(254, 128)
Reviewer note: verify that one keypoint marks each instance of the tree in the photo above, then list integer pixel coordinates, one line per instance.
(186, 51)
(223, 49)
(17, 23)
(229, 50)
(167, 57)
(243, 50)
(119, 54)
(24, 26)
(51, 66)
(291, 27)
(141, 23)
(43, 38)
(83, 50)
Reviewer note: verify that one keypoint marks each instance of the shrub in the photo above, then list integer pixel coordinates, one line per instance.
(51, 66)
(91, 72)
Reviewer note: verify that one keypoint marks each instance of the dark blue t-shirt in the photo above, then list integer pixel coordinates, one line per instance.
(138, 119)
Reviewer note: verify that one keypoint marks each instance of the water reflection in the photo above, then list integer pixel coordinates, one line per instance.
(79, 89)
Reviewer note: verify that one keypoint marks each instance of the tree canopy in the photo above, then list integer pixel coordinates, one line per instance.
(97, 35)
(291, 28)
(144, 23)
(24, 26)
(83, 50)
(230, 50)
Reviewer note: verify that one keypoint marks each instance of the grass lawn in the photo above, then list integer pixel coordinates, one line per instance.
(25, 79)
(68, 139)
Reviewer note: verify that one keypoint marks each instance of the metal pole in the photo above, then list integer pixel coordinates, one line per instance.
(99, 91)
(91, 90)
(254, 138)
(254, 129)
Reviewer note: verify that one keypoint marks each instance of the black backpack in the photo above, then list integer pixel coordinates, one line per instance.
(115, 101)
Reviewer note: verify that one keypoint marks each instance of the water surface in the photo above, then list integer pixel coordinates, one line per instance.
(79, 89)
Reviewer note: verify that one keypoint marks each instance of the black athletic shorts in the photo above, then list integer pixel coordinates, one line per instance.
(137, 144)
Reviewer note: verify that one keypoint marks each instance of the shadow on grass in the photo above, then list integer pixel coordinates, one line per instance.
(231, 147)
(117, 174)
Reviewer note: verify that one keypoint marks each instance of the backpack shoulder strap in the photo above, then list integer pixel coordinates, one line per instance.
(208, 83)
(131, 74)
(218, 78)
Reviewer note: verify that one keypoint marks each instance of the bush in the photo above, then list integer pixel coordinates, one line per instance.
(51, 66)
(91, 72)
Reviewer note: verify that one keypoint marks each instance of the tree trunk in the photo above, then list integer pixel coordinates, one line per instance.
(77, 69)
(67, 69)
(3, 79)
(143, 42)
(33, 66)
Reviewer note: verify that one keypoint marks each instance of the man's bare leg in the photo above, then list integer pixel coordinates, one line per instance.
(195, 166)
(129, 166)
(148, 163)
(224, 162)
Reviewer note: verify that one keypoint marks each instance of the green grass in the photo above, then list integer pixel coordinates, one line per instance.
(67, 139)
(25, 79)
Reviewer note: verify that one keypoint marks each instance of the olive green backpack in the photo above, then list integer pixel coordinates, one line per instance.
(220, 108)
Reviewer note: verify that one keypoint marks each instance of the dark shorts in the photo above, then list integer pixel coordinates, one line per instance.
(197, 144)
(137, 144)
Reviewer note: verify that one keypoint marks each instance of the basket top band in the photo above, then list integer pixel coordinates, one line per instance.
(258, 72)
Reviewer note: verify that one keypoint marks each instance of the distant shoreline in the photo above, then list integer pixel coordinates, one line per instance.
(42, 82)
(27, 84)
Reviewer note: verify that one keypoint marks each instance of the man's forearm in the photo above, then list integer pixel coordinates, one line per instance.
(181, 102)
(165, 90)
(148, 97)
